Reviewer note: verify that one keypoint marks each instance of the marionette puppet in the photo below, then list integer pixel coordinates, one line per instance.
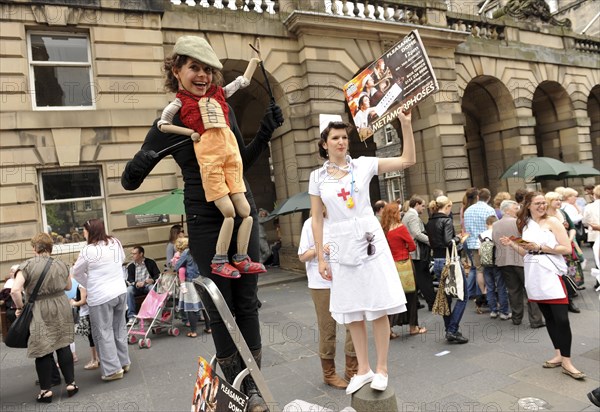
(205, 113)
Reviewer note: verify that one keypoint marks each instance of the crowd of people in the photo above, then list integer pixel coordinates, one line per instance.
(363, 263)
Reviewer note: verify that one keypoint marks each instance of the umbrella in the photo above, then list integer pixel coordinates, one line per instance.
(581, 170)
(296, 203)
(171, 204)
(536, 168)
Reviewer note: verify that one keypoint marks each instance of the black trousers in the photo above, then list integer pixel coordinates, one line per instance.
(559, 328)
(45, 367)
(514, 278)
(424, 280)
(240, 295)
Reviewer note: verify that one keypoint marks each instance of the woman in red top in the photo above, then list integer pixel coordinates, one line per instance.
(401, 244)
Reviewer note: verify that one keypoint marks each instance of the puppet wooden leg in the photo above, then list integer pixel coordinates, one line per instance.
(241, 260)
(220, 263)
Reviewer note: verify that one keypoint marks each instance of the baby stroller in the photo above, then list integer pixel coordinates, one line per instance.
(158, 309)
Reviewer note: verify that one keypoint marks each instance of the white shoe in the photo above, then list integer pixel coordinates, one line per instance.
(358, 381)
(506, 317)
(379, 382)
(131, 321)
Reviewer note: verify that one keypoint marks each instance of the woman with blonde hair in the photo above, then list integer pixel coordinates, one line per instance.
(440, 230)
(498, 199)
(52, 323)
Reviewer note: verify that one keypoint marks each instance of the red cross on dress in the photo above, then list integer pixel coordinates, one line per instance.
(343, 194)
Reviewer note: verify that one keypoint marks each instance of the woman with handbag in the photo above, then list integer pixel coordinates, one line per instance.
(51, 327)
(544, 243)
(442, 236)
(401, 244)
(98, 269)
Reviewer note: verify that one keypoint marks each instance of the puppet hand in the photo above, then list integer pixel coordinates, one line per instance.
(272, 119)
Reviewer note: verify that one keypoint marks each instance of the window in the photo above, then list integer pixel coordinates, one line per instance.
(70, 198)
(389, 134)
(395, 185)
(60, 71)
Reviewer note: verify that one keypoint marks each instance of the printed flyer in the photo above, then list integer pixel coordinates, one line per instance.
(396, 81)
(213, 393)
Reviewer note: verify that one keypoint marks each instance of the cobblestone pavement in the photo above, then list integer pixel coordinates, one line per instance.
(500, 365)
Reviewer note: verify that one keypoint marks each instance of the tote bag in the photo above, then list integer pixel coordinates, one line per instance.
(407, 277)
(454, 286)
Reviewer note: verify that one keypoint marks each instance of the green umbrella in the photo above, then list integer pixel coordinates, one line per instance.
(296, 203)
(536, 168)
(171, 204)
(581, 170)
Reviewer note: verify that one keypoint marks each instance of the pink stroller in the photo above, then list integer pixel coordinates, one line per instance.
(154, 309)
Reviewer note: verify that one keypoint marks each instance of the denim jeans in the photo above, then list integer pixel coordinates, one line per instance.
(451, 322)
(494, 282)
(472, 285)
(132, 292)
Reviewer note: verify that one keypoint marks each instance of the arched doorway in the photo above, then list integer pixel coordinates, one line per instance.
(555, 125)
(249, 106)
(490, 123)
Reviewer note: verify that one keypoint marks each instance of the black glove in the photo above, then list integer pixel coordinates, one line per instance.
(272, 119)
(138, 168)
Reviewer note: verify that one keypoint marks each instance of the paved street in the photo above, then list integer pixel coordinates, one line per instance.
(500, 365)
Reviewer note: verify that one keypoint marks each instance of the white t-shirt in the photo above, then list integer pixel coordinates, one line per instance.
(307, 241)
(98, 269)
(486, 233)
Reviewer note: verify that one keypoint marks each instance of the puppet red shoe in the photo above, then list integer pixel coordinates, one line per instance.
(248, 267)
(225, 270)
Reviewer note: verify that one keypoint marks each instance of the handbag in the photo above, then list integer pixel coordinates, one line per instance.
(407, 277)
(75, 315)
(454, 285)
(18, 333)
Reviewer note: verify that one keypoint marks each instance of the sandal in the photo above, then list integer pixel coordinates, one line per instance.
(74, 389)
(208, 330)
(394, 335)
(44, 398)
(419, 331)
(192, 335)
(92, 365)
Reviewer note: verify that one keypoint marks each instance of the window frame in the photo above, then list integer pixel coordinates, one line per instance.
(33, 64)
(388, 131)
(77, 246)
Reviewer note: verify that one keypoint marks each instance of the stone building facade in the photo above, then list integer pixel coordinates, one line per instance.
(82, 83)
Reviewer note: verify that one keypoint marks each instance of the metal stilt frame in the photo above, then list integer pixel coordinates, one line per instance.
(251, 366)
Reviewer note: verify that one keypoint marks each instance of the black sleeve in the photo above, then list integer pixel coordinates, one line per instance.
(156, 146)
(153, 269)
(449, 234)
(130, 274)
(251, 152)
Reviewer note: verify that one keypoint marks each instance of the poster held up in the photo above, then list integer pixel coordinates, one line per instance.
(212, 393)
(398, 80)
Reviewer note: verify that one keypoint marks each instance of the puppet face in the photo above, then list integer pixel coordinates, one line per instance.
(194, 77)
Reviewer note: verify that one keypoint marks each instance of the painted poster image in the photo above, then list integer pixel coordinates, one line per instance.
(214, 394)
(396, 81)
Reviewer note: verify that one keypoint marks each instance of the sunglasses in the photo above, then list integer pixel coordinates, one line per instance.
(370, 247)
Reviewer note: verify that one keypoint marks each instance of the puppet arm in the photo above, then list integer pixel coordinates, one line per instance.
(241, 81)
(165, 124)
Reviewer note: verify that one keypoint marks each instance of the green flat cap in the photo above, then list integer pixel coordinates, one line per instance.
(199, 49)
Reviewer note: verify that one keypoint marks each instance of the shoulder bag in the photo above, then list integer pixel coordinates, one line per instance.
(18, 334)
(407, 277)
